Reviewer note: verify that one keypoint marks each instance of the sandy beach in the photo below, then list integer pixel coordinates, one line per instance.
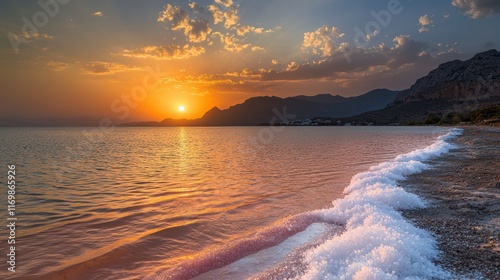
(463, 193)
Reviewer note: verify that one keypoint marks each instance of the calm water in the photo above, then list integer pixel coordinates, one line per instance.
(125, 204)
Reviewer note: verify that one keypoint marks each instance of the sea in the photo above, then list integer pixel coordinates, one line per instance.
(217, 202)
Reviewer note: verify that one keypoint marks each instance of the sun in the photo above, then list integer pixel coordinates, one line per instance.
(182, 108)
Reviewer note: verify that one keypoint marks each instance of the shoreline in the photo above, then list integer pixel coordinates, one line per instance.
(463, 193)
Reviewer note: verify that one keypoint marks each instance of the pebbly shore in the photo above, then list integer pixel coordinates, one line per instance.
(462, 190)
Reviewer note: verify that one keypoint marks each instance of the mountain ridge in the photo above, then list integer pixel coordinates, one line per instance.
(455, 88)
(263, 109)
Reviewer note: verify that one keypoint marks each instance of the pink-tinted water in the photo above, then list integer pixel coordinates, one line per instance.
(126, 204)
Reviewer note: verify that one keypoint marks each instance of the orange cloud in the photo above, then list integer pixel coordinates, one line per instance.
(194, 30)
(169, 52)
(226, 3)
(229, 17)
(241, 30)
(322, 40)
(231, 43)
(105, 68)
(58, 66)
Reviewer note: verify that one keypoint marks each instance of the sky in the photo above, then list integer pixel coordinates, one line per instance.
(142, 60)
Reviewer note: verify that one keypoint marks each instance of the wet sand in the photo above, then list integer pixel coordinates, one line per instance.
(463, 193)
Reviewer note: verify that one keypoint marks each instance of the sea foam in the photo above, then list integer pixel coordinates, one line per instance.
(378, 242)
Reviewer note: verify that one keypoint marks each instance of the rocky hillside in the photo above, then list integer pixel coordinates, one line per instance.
(449, 94)
(477, 78)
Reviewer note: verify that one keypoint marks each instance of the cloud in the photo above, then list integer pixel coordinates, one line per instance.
(274, 62)
(98, 14)
(198, 30)
(195, 30)
(27, 40)
(58, 66)
(292, 66)
(234, 44)
(229, 17)
(226, 3)
(169, 52)
(242, 30)
(423, 29)
(217, 14)
(246, 81)
(175, 14)
(257, 49)
(404, 52)
(231, 43)
(328, 68)
(322, 40)
(477, 8)
(196, 7)
(105, 68)
(36, 36)
(424, 21)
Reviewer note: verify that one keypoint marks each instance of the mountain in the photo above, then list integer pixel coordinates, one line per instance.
(323, 98)
(272, 109)
(457, 80)
(456, 91)
(456, 87)
(340, 106)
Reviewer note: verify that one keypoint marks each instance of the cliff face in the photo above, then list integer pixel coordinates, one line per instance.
(477, 78)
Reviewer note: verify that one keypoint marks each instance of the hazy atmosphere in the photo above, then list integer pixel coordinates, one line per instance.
(139, 60)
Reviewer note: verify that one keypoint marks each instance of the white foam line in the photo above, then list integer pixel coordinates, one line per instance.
(378, 242)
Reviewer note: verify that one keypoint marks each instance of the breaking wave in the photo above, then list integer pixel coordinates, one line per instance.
(377, 243)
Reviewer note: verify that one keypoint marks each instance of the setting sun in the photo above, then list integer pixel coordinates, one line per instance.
(182, 108)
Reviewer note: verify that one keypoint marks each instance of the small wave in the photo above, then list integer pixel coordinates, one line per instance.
(240, 248)
(88, 264)
(378, 243)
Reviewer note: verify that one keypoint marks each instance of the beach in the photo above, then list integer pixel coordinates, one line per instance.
(177, 221)
(462, 190)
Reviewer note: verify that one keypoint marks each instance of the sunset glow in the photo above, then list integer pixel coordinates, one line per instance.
(250, 139)
(124, 61)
